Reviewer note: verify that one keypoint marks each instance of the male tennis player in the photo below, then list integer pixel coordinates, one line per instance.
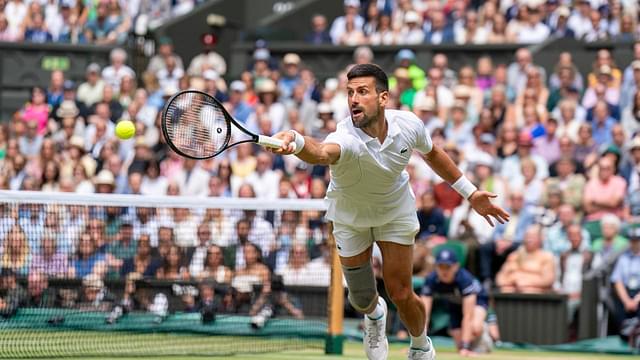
(369, 199)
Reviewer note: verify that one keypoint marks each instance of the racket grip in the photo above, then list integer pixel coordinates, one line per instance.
(272, 142)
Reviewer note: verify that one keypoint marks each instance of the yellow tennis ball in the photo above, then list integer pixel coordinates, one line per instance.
(125, 129)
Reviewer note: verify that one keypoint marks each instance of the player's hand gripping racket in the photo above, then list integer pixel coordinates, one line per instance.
(197, 126)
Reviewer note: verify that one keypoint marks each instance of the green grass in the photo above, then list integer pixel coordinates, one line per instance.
(127, 346)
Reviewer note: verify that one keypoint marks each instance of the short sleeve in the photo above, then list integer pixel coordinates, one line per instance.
(423, 137)
(348, 146)
(616, 275)
(467, 284)
(428, 286)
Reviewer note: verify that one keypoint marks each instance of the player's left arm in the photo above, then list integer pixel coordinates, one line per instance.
(480, 200)
(468, 307)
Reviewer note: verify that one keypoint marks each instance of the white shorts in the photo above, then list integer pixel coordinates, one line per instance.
(352, 241)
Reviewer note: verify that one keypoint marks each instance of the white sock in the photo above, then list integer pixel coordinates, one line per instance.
(377, 313)
(421, 341)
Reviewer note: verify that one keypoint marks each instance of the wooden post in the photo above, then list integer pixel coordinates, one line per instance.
(335, 337)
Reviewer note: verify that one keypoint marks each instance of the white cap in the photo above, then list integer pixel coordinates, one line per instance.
(238, 85)
(324, 108)
(412, 17)
(352, 3)
(210, 75)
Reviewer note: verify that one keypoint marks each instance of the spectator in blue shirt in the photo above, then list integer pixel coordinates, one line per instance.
(319, 34)
(431, 217)
(36, 32)
(239, 107)
(626, 279)
(602, 124)
(465, 299)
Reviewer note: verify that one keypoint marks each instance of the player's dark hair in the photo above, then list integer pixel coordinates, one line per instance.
(362, 70)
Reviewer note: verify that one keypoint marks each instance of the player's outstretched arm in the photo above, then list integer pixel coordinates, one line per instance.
(480, 201)
(307, 148)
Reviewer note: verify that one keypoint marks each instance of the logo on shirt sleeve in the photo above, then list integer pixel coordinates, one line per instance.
(404, 150)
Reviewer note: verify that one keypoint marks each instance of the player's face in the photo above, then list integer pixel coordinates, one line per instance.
(446, 272)
(365, 102)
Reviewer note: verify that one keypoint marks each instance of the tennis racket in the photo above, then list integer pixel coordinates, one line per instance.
(197, 126)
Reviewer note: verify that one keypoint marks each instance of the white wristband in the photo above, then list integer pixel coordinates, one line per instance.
(464, 187)
(299, 140)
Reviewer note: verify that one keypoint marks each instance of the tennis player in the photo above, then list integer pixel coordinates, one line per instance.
(369, 199)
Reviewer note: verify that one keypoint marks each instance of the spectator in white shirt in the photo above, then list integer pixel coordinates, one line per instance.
(339, 26)
(533, 31)
(598, 29)
(90, 91)
(580, 21)
(192, 179)
(15, 11)
(264, 180)
(114, 73)
(411, 32)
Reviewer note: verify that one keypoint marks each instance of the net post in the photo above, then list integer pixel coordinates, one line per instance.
(335, 337)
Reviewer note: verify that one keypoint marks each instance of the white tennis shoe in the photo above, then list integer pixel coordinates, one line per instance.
(417, 354)
(375, 340)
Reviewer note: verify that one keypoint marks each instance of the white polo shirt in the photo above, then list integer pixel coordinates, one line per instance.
(369, 184)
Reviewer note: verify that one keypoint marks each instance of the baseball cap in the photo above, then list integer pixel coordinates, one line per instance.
(427, 103)
(210, 75)
(324, 108)
(69, 85)
(405, 54)
(635, 64)
(238, 86)
(352, 3)
(93, 68)
(446, 256)
(635, 143)
(261, 54)
(291, 59)
(412, 17)
(633, 233)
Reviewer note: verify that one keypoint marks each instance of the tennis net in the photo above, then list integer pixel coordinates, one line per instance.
(123, 275)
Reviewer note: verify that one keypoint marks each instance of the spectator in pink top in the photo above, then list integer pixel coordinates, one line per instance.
(605, 193)
(37, 109)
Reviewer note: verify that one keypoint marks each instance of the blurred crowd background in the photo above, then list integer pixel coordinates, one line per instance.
(560, 147)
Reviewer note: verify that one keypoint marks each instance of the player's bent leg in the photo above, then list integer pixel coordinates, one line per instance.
(479, 317)
(396, 271)
(363, 296)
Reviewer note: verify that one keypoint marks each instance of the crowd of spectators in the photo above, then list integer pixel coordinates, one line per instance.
(410, 22)
(560, 147)
(101, 22)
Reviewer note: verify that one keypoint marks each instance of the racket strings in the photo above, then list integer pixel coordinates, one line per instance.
(197, 126)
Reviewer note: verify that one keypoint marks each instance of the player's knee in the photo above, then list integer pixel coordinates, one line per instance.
(477, 329)
(400, 293)
(362, 286)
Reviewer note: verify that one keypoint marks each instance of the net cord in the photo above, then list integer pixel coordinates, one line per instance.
(187, 202)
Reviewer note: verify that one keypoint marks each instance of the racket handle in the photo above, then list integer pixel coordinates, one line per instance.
(272, 142)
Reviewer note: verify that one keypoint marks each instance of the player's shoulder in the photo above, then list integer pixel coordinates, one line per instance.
(464, 276)
(404, 118)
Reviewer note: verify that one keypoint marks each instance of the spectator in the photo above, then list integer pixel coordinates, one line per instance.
(268, 107)
(291, 74)
(7, 33)
(411, 33)
(39, 294)
(296, 270)
(196, 256)
(574, 263)
(143, 262)
(557, 240)
(14, 295)
(530, 269)
(125, 245)
(214, 267)
(511, 166)
(37, 32)
(240, 109)
(466, 301)
(567, 181)
(498, 33)
(87, 260)
(192, 179)
(319, 33)
(352, 34)
(505, 239)
(533, 30)
(604, 193)
(597, 30)
(439, 32)
(93, 295)
(624, 279)
(604, 58)
(611, 243)
(113, 74)
(91, 91)
(16, 254)
(561, 28)
(208, 59)
(173, 267)
(165, 51)
(49, 262)
(264, 179)
(383, 34)
(252, 273)
(580, 21)
(31, 142)
(339, 25)
(517, 71)
(15, 12)
(628, 75)
(431, 218)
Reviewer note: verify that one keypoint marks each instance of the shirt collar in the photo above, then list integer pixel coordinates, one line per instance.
(392, 130)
